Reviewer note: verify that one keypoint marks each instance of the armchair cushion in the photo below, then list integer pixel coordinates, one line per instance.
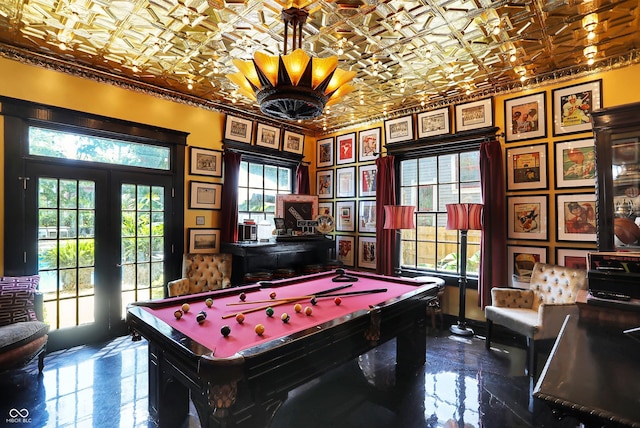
(17, 299)
(202, 272)
(512, 298)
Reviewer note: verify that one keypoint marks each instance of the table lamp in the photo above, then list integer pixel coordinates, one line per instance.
(463, 217)
(398, 217)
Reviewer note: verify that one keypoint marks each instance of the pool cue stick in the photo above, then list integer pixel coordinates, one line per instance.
(293, 298)
(353, 293)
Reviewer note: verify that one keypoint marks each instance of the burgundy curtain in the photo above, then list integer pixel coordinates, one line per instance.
(302, 180)
(493, 246)
(229, 220)
(385, 195)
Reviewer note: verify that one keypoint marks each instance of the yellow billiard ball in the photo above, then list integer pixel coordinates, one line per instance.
(259, 329)
(185, 307)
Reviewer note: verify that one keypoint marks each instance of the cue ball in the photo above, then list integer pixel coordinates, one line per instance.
(178, 314)
(240, 318)
(243, 297)
(209, 302)
(185, 307)
(269, 312)
(297, 307)
(259, 329)
(225, 330)
(308, 311)
(285, 317)
(273, 295)
(313, 301)
(337, 301)
(201, 317)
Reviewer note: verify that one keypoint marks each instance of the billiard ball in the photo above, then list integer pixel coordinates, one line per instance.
(337, 301)
(243, 296)
(201, 317)
(313, 301)
(185, 307)
(285, 317)
(240, 318)
(178, 314)
(308, 311)
(259, 329)
(297, 307)
(269, 312)
(272, 295)
(209, 302)
(225, 330)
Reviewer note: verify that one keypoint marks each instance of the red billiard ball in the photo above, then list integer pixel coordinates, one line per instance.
(243, 296)
(273, 295)
(337, 301)
(240, 318)
(308, 311)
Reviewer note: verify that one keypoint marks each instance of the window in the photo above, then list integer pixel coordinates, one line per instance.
(258, 185)
(430, 183)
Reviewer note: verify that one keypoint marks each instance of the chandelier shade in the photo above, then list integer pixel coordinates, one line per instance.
(292, 86)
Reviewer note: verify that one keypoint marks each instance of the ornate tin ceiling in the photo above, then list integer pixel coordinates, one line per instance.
(408, 55)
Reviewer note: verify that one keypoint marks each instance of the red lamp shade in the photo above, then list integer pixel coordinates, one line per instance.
(464, 216)
(399, 217)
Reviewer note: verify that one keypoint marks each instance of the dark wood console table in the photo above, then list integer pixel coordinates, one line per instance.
(249, 257)
(593, 375)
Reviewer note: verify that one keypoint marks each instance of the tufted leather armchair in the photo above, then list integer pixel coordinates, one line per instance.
(202, 272)
(537, 313)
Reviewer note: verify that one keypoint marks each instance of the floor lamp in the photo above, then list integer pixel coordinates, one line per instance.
(398, 217)
(463, 217)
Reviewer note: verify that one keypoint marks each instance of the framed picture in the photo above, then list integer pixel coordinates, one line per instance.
(238, 129)
(325, 208)
(527, 217)
(345, 249)
(576, 163)
(205, 162)
(369, 144)
(345, 216)
(346, 148)
(325, 153)
(367, 217)
(478, 114)
(436, 122)
(205, 196)
(366, 252)
(346, 182)
(527, 167)
(203, 241)
(268, 136)
(397, 130)
(525, 117)
(281, 227)
(520, 262)
(572, 257)
(296, 207)
(325, 184)
(293, 143)
(572, 106)
(367, 180)
(576, 217)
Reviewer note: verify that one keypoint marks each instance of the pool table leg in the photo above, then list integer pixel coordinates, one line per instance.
(168, 398)
(411, 348)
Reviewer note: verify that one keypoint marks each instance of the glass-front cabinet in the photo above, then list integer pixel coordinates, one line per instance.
(617, 134)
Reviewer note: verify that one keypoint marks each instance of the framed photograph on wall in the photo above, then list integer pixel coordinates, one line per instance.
(367, 217)
(520, 262)
(293, 143)
(572, 257)
(346, 182)
(527, 217)
(205, 162)
(576, 217)
(527, 167)
(345, 249)
(203, 241)
(572, 106)
(436, 122)
(576, 163)
(238, 129)
(345, 216)
(325, 208)
(369, 144)
(205, 196)
(525, 117)
(324, 184)
(366, 252)
(346, 148)
(397, 130)
(474, 115)
(325, 152)
(268, 136)
(367, 180)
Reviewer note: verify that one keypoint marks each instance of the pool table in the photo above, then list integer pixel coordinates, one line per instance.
(242, 379)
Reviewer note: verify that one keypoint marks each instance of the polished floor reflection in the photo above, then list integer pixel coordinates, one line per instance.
(462, 385)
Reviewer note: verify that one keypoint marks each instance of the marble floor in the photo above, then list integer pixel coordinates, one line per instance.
(461, 385)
